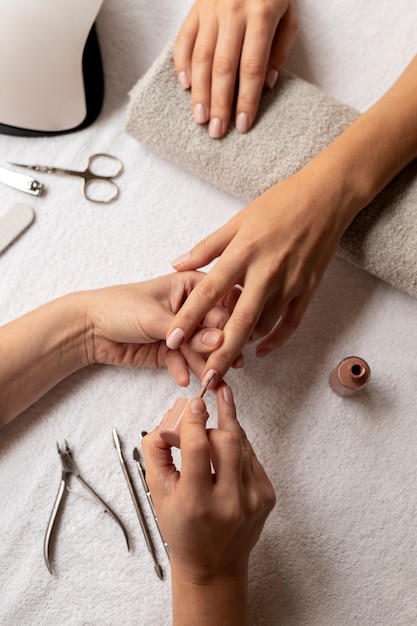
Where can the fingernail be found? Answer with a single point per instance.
(197, 406)
(215, 128)
(175, 338)
(271, 78)
(183, 80)
(181, 259)
(242, 123)
(227, 395)
(199, 114)
(211, 337)
(212, 376)
(263, 352)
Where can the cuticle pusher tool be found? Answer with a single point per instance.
(136, 502)
(142, 474)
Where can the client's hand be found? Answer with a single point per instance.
(127, 325)
(277, 249)
(210, 520)
(122, 325)
(222, 44)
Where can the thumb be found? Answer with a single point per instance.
(207, 249)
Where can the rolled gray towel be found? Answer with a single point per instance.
(295, 121)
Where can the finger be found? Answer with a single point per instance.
(254, 470)
(224, 73)
(238, 329)
(226, 441)
(177, 366)
(203, 297)
(195, 449)
(255, 55)
(274, 307)
(208, 248)
(281, 45)
(183, 50)
(201, 68)
(206, 340)
(160, 468)
(195, 362)
(216, 317)
(288, 323)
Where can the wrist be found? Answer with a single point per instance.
(38, 350)
(211, 599)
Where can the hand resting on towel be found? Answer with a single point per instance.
(222, 45)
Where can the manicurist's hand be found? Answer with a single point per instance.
(211, 521)
(224, 43)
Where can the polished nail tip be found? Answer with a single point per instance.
(210, 337)
(199, 114)
(271, 78)
(181, 259)
(197, 406)
(183, 80)
(175, 339)
(215, 128)
(210, 379)
(242, 123)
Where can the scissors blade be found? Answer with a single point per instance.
(21, 182)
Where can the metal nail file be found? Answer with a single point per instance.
(136, 502)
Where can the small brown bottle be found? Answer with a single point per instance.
(349, 376)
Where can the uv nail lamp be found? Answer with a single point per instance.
(51, 76)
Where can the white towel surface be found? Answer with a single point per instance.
(340, 546)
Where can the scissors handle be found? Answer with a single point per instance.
(104, 156)
(92, 177)
(100, 180)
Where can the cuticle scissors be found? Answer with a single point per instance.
(68, 468)
(88, 175)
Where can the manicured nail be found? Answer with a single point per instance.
(199, 114)
(211, 337)
(212, 376)
(197, 406)
(175, 338)
(271, 78)
(263, 352)
(227, 395)
(215, 128)
(181, 259)
(242, 123)
(183, 80)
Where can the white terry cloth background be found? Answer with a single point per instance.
(340, 546)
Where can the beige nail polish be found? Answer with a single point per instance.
(242, 122)
(349, 376)
(271, 78)
(181, 259)
(215, 128)
(199, 114)
(175, 339)
(183, 80)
